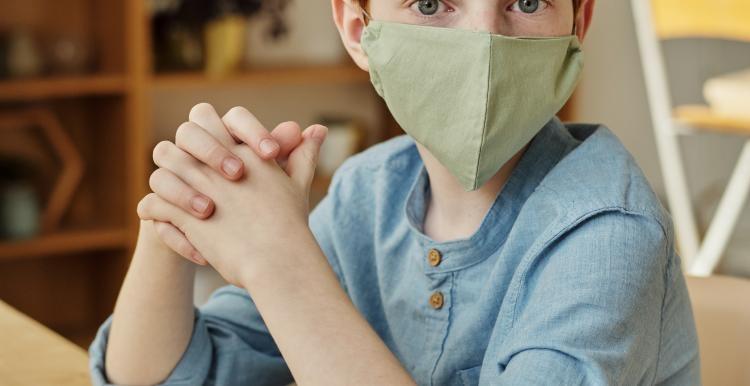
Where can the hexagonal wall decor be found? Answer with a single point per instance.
(71, 162)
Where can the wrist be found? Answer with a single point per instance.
(283, 260)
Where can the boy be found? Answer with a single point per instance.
(490, 245)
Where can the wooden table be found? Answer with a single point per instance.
(31, 354)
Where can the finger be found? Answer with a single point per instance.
(304, 159)
(176, 241)
(175, 191)
(199, 143)
(246, 127)
(204, 115)
(153, 207)
(193, 172)
(289, 136)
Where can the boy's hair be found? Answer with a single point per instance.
(363, 4)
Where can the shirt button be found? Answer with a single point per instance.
(434, 257)
(436, 300)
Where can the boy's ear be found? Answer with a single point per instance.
(348, 19)
(583, 18)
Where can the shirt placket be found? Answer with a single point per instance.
(438, 303)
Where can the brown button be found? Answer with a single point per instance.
(434, 257)
(436, 300)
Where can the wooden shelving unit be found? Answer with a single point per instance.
(67, 278)
(65, 242)
(333, 74)
(61, 87)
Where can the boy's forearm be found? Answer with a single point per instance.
(153, 317)
(322, 336)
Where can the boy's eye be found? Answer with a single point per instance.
(428, 7)
(527, 6)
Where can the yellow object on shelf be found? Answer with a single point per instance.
(721, 19)
(225, 44)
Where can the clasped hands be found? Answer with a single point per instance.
(230, 193)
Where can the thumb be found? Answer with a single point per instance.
(303, 159)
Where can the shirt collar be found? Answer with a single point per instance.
(549, 146)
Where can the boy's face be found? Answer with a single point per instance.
(505, 17)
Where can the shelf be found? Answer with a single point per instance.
(61, 87)
(64, 242)
(343, 73)
(702, 118)
(81, 336)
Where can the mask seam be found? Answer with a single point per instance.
(486, 113)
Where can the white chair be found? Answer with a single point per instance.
(657, 20)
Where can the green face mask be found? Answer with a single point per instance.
(473, 99)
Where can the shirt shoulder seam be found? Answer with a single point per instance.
(518, 288)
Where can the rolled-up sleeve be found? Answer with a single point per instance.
(230, 345)
(588, 309)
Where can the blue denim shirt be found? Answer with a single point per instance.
(571, 278)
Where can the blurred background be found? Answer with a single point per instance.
(88, 87)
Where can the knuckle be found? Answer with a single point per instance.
(201, 110)
(161, 151)
(183, 133)
(237, 110)
(155, 178)
(151, 199)
(144, 206)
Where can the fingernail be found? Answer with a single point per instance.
(231, 166)
(200, 204)
(268, 146)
